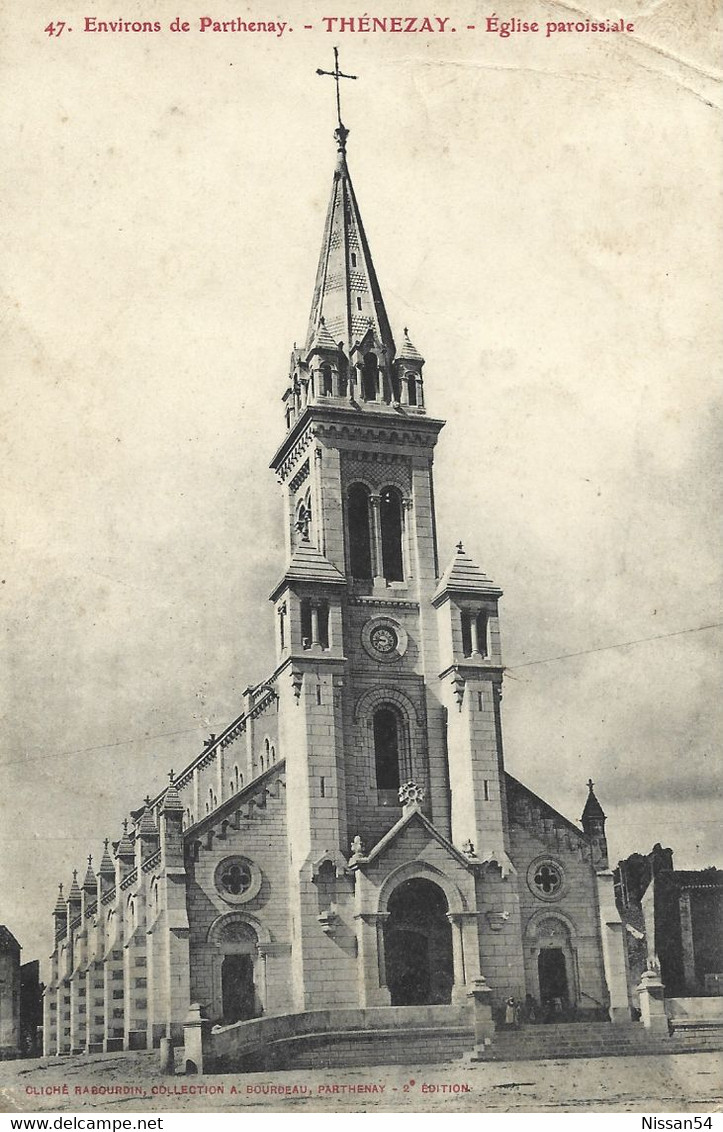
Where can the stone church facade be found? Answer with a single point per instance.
(352, 838)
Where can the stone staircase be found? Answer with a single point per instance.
(414, 1036)
(593, 1039)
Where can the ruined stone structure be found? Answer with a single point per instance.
(9, 994)
(673, 919)
(351, 839)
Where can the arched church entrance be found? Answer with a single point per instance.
(552, 971)
(238, 965)
(553, 950)
(238, 990)
(418, 945)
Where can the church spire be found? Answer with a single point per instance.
(347, 297)
(348, 359)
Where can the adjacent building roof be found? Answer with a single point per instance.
(8, 941)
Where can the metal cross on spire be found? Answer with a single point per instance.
(336, 75)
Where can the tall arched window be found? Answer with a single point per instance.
(411, 380)
(326, 384)
(370, 377)
(391, 524)
(360, 550)
(343, 375)
(396, 388)
(386, 748)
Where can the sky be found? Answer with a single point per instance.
(542, 216)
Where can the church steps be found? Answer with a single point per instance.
(391, 1044)
(602, 1039)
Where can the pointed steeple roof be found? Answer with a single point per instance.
(107, 867)
(322, 338)
(593, 809)
(409, 352)
(171, 801)
(308, 564)
(463, 576)
(74, 894)
(60, 903)
(124, 848)
(347, 293)
(89, 884)
(147, 826)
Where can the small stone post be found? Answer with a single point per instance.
(196, 1034)
(484, 1027)
(166, 1053)
(652, 1003)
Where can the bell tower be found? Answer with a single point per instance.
(357, 642)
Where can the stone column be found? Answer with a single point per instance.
(686, 943)
(652, 1003)
(318, 514)
(196, 1040)
(474, 637)
(375, 503)
(407, 540)
(459, 985)
(372, 991)
(484, 1027)
(613, 948)
(403, 388)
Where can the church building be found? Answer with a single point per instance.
(352, 839)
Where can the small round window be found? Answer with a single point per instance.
(237, 879)
(546, 879)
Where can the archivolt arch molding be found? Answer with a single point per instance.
(421, 870)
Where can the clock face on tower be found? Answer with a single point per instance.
(383, 639)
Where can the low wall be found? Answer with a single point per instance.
(688, 1013)
(339, 1037)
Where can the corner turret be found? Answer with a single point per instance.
(593, 823)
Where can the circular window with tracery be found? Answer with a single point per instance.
(546, 879)
(237, 879)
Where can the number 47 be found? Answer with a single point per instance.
(55, 29)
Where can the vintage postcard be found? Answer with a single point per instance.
(360, 585)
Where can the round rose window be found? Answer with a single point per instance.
(237, 879)
(546, 878)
